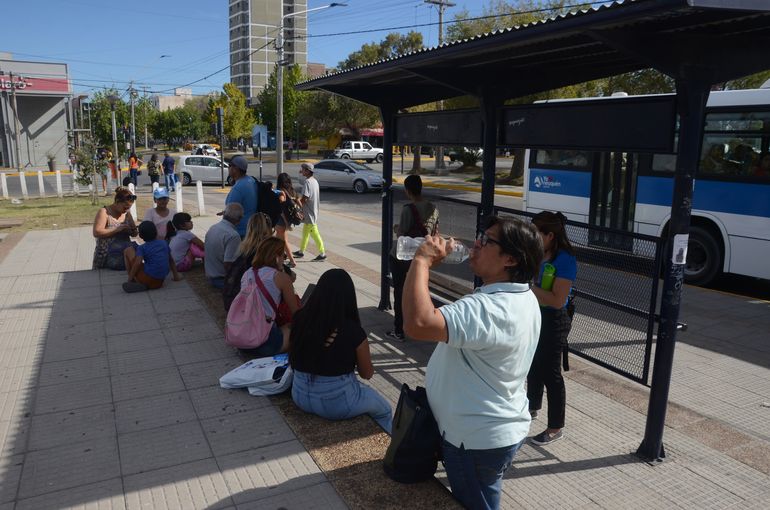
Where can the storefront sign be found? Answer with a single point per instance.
(25, 84)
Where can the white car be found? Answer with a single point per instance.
(204, 149)
(201, 168)
(359, 150)
(347, 174)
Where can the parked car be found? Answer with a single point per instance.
(346, 174)
(201, 168)
(359, 150)
(456, 153)
(204, 149)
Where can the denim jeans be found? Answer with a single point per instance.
(134, 173)
(339, 398)
(218, 282)
(476, 476)
(169, 181)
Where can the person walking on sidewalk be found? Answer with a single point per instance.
(288, 199)
(557, 322)
(310, 201)
(244, 192)
(418, 219)
(134, 164)
(486, 341)
(153, 169)
(168, 171)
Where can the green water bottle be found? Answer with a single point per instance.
(549, 273)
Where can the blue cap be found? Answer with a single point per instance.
(240, 162)
(160, 193)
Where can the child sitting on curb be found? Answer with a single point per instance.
(185, 246)
(148, 264)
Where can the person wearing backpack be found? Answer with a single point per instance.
(272, 286)
(244, 192)
(418, 218)
(291, 213)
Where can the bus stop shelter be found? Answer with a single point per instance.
(699, 43)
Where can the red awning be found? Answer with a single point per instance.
(372, 132)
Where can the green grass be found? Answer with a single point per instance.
(54, 213)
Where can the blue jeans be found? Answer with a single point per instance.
(476, 476)
(169, 181)
(339, 398)
(134, 173)
(271, 347)
(218, 282)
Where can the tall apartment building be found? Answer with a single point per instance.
(253, 30)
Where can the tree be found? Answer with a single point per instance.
(144, 114)
(292, 99)
(101, 118)
(394, 44)
(238, 118)
(184, 123)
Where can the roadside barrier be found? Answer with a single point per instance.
(201, 207)
(179, 207)
(40, 184)
(4, 182)
(59, 189)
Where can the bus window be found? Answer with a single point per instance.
(664, 163)
(569, 158)
(728, 155)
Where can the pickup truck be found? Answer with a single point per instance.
(359, 150)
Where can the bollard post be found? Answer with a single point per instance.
(179, 198)
(132, 189)
(40, 183)
(4, 181)
(201, 207)
(59, 189)
(23, 182)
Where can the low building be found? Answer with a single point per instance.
(39, 92)
(180, 97)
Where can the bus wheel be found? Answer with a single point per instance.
(704, 258)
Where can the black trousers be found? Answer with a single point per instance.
(545, 372)
(398, 268)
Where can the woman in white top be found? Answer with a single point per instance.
(161, 214)
(268, 263)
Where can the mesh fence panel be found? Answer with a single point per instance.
(614, 291)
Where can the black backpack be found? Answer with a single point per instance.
(415, 441)
(268, 201)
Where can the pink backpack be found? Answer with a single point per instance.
(247, 325)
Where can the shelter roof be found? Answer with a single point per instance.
(726, 38)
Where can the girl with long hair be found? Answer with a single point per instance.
(286, 197)
(268, 263)
(327, 345)
(258, 229)
(553, 296)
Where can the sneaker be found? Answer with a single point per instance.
(320, 258)
(298, 254)
(397, 336)
(533, 413)
(545, 438)
(131, 287)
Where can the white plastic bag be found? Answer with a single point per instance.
(274, 387)
(254, 372)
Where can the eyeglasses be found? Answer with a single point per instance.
(484, 239)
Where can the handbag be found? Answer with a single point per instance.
(293, 212)
(282, 311)
(415, 441)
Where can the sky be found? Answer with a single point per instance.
(163, 44)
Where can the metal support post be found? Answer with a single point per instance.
(17, 138)
(115, 147)
(389, 126)
(279, 103)
(692, 94)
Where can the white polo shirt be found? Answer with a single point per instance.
(475, 381)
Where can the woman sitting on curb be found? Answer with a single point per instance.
(327, 345)
(113, 228)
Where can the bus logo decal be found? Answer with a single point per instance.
(546, 181)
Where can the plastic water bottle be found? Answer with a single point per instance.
(407, 246)
(549, 273)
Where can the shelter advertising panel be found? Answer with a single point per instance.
(643, 124)
(461, 127)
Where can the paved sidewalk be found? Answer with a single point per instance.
(110, 400)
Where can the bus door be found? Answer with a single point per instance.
(613, 197)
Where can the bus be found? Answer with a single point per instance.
(730, 225)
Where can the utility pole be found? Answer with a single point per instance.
(132, 95)
(17, 129)
(144, 108)
(442, 5)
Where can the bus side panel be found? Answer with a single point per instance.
(751, 257)
(567, 191)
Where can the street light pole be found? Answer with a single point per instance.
(112, 100)
(132, 95)
(279, 79)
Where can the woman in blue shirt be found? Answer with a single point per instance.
(556, 324)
